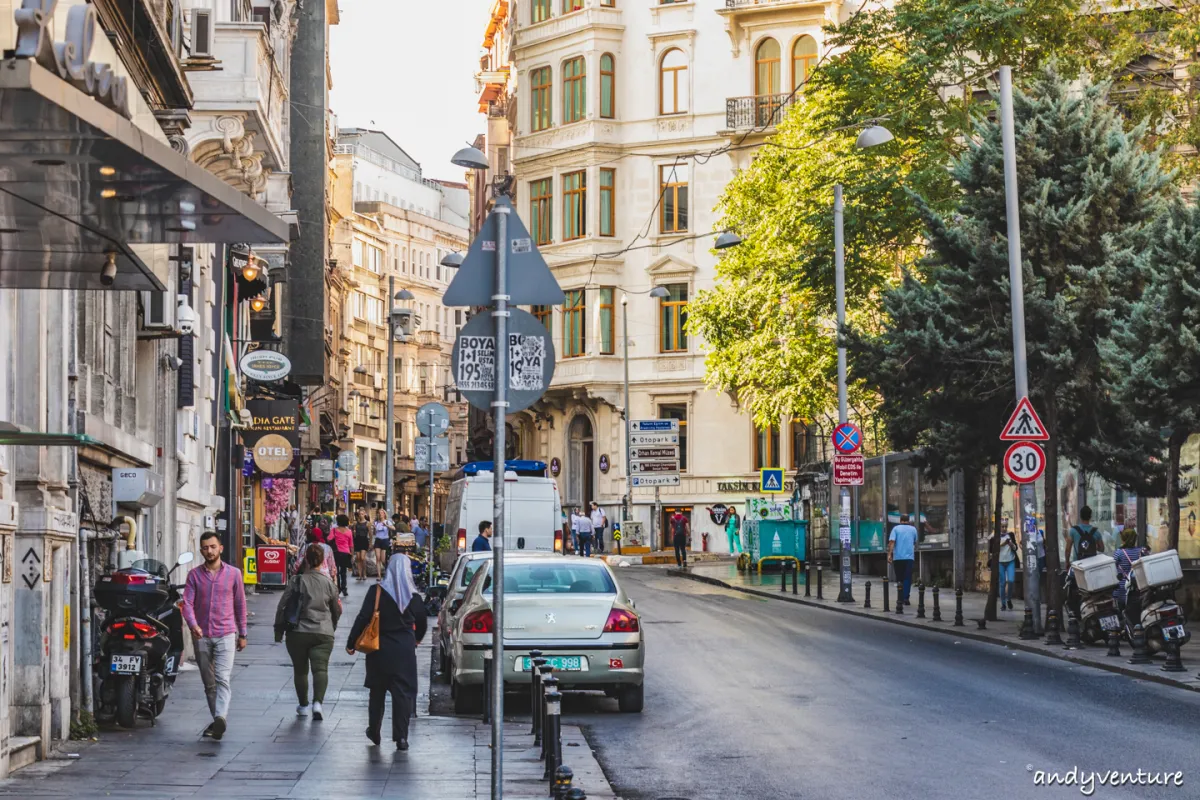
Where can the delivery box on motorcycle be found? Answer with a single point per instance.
(1095, 574)
(1158, 569)
(131, 591)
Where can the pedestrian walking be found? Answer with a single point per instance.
(307, 616)
(420, 532)
(681, 536)
(1128, 553)
(599, 523)
(733, 529)
(392, 669)
(1084, 540)
(384, 528)
(583, 524)
(363, 533)
(902, 549)
(214, 609)
(575, 530)
(483, 542)
(1009, 561)
(341, 539)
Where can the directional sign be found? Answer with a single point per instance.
(656, 480)
(847, 438)
(654, 426)
(653, 438)
(771, 481)
(848, 470)
(441, 457)
(1024, 425)
(530, 355)
(1024, 462)
(637, 467)
(668, 453)
(433, 419)
(529, 280)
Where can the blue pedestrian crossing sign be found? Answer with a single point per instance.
(771, 481)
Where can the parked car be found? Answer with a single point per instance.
(465, 568)
(572, 609)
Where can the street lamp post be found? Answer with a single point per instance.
(389, 468)
(657, 292)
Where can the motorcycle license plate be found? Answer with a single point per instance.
(1174, 632)
(126, 665)
(1110, 623)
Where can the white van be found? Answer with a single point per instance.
(532, 507)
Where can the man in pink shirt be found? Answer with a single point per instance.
(214, 608)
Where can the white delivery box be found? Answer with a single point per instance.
(1095, 574)
(1158, 569)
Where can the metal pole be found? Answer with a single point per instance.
(628, 475)
(499, 413)
(846, 589)
(390, 467)
(1016, 280)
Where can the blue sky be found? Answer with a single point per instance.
(410, 65)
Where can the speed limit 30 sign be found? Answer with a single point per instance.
(1024, 462)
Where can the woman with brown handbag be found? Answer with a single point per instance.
(390, 625)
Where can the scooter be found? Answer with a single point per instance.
(435, 595)
(1155, 608)
(140, 645)
(1096, 609)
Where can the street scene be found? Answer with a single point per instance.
(646, 400)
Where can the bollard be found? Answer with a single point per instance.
(820, 584)
(982, 623)
(887, 598)
(1027, 631)
(1073, 642)
(487, 683)
(795, 578)
(1052, 637)
(1138, 639)
(538, 692)
(576, 794)
(1114, 644)
(535, 675)
(563, 776)
(1174, 661)
(549, 684)
(958, 615)
(937, 607)
(867, 601)
(808, 580)
(899, 597)
(921, 600)
(553, 733)
(783, 569)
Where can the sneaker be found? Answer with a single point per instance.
(218, 728)
(208, 731)
(317, 715)
(302, 711)
(1010, 605)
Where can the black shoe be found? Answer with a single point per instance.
(218, 728)
(208, 731)
(402, 744)
(1010, 605)
(373, 736)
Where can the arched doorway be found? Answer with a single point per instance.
(580, 462)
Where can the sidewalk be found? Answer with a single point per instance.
(270, 753)
(1003, 632)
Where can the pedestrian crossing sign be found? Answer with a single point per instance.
(1024, 425)
(771, 481)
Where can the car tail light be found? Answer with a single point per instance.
(478, 621)
(130, 578)
(462, 539)
(622, 621)
(558, 542)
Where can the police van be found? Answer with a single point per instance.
(532, 507)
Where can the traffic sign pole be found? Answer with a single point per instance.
(499, 413)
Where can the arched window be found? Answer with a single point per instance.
(767, 68)
(574, 90)
(804, 59)
(673, 83)
(608, 85)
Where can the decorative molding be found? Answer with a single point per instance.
(672, 266)
(672, 364)
(224, 147)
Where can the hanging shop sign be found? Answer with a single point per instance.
(265, 366)
(273, 454)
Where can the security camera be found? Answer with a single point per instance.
(244, 416)
(171, 362)
(185, 317)
(403, 321)
(108, 273)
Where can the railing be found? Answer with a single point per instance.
(757, 111)
(429, 338)
(744, 3)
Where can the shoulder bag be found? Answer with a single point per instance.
(368, 640)
(291, 611)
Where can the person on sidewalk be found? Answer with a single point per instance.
(341, 539)
(363, 533)
(1128, 553)
(1007, 555)
(310, 639)
(483, 542)
(1084, 540)
(214, 609)
(681, 536)
(586, 539)
(733, 529)
(575, 531)
(420, 532)
(392, 669)
(384, 529)
(599, 523)
(902, 550)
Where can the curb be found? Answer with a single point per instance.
(961, 633)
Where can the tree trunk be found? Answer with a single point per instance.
(1053, 599)
(1178, 437)
(989, 612)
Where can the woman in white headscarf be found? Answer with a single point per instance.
(392, 669)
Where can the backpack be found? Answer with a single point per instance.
(1088, 544)
(679, 525)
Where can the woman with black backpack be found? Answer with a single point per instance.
(308, 615)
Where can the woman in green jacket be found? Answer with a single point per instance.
(308, 614)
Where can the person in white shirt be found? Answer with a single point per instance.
(584, 525)
(599, 523)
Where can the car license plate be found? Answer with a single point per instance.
(1110, 623)
(127, 665)
(560, 663)
(1174, 632)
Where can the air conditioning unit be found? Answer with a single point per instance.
(202, 33)
(158, 314)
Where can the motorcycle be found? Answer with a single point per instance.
(140, 641)
(1150, 601)
(435, 595)
(1095, 608)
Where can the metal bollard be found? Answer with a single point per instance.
(899, 597)
(563, 776)
(1138, 639)
(958, 614)
(1052, 637)
(867, 601)
(535, 675)
(1114, 644)
(937, 606)
(1073, 642)
(1027, 630)
(553, 733)
(783, 568)
(808, 580)
(795, 577)
(487, 684)
(1174, 661)
(820, 584)
(538, 693)
(887, 598)
(921, 600)
(576, 794)
(549, 684)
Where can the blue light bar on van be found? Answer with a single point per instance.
(523, 467)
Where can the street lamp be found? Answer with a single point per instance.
(453, 259)
(470, 158)
(727, 239)
(389, 468)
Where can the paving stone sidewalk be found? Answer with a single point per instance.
(270, 753)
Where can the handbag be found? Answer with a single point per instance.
(368, 640)
(291, 612)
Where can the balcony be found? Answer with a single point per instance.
(757, 111)
(429, 339)
(744, 17)
(600, 19)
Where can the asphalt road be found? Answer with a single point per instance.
(752, 698)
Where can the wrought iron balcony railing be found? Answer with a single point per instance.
(757, 111)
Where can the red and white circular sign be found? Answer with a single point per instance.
(1024, 462)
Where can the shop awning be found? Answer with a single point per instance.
(80, 184)
(13, 434)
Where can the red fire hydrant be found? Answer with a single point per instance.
(704, 541)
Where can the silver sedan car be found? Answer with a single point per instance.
(460, 579)
(571, 609)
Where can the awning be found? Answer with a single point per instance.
(11, 434)
(79, 184)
